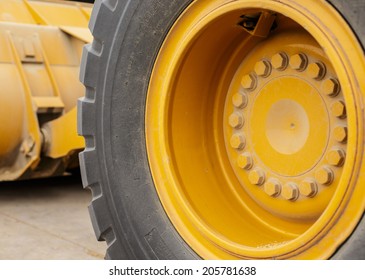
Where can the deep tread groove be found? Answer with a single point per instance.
(95, 191)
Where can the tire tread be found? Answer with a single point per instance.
(89, 165)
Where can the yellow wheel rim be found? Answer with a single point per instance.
(254, 129)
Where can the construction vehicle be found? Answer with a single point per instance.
(40, 53)
(222, 129)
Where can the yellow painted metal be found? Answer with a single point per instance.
(56, 13)
(60, 136)
(249, 152)
(78, 32)
(40, 50)
(10, 130)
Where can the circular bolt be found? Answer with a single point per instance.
(331, 87)
(339, 109)
(249, 82)
(316, 70)
(272, 187)
(298, 61)
(308, 188)
(290, 191)
(238, 141)
(280, 61)
(336, 157)
(236, 120)
(263, 68)
(245, 161)
(324, 176)
(257, 177)
(239, 100)
(340, 134)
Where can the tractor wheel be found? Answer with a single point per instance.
(226, 129)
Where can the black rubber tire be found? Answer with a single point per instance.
(125, 210)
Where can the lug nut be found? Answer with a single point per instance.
(236, 120)
(324, 176)
(331, 87)
(263, 68)
(340, 134)
(245, 161)
(336, 157)
(238, 141)
(290, 191)
(298, 61)
(249, 82)
(272, 187)
(308, 188)
(257, 177)
(239, 100)
(339, 109)
(316, 70)
(280, 61)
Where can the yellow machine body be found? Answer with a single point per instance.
(40, 51)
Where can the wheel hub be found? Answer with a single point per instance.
(283, 117)
(247, 129)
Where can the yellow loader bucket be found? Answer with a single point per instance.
(40, 51)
